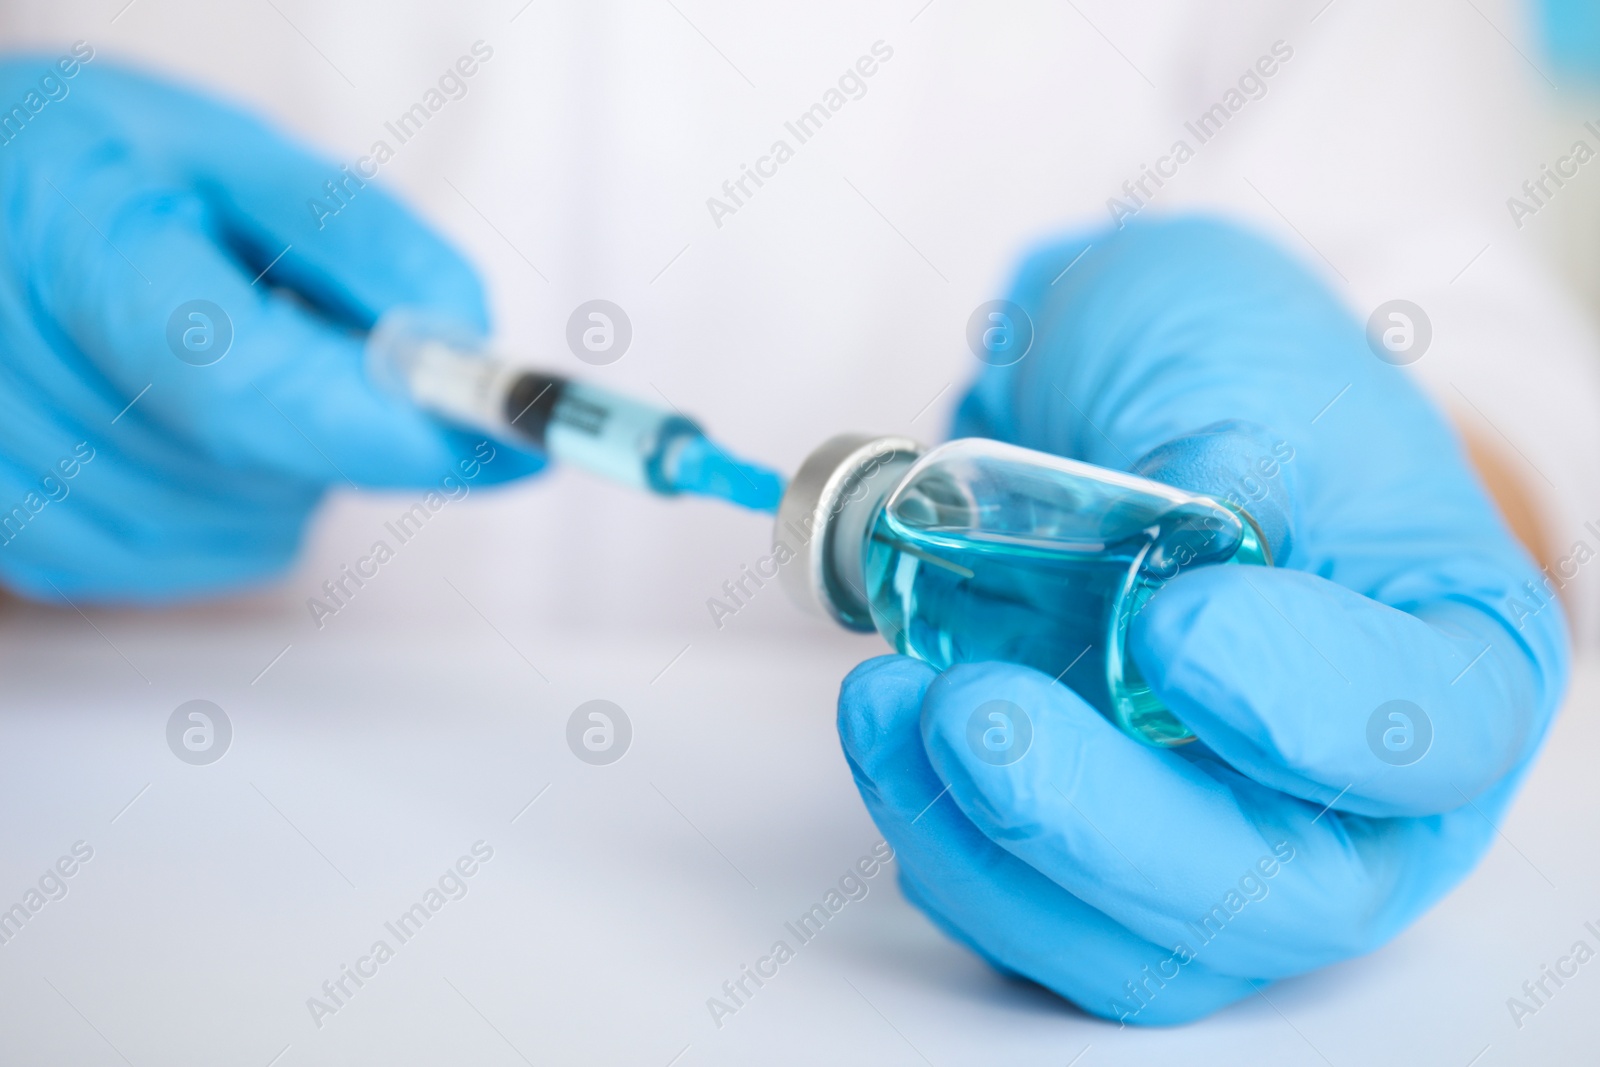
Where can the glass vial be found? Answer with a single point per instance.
(979, 550)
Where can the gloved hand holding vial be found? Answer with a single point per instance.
(1300, 824)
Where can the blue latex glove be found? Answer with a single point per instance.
(1159, 885)
(1572, 39)
(125, 198)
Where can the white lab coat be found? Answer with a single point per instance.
(835, 295)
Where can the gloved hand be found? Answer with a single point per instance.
(1314, 819)
(132, 466)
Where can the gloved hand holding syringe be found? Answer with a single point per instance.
(619, 438)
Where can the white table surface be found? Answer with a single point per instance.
(364, 762)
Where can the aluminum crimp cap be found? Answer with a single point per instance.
(823, 521)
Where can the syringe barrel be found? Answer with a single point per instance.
(572, 422)
(607, 434)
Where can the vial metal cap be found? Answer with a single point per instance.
(823, 521)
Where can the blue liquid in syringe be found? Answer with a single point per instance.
(633, 443)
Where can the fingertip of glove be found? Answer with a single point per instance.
(967, 686)
(1182, 634)
(880, 698)
(1238, 653)
(1001, 735)
(873, 679)
(1241, 463)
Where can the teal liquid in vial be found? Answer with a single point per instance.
(984, 551)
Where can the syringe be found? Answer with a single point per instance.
(572, 422)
